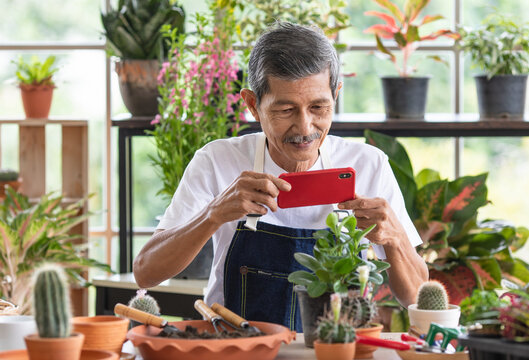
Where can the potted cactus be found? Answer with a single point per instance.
(433, 306)
(145, 303)
(51, 307)
(335, 333)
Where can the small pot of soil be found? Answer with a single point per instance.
(310, 309)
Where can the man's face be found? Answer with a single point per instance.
(296, 117)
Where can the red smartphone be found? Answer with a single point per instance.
(317, 187)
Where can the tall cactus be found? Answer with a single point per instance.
(51, 302)
(432, 296)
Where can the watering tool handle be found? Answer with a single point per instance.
(206, 311)
(390, 344)
(230, 316)
(140, 316)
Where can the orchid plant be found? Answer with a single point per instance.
(403, 27)
(199, 99)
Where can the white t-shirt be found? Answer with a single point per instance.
(219, 163)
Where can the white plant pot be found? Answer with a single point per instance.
(422, 318)
(13, 328)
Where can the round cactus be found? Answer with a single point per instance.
(144, 302)
(8, 175)
(360, 310)
(51, 302)
(329, 332)
(432, 296)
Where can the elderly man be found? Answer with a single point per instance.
(293, 75)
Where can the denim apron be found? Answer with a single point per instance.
(259, 261)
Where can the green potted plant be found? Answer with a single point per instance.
(8, 177)
(480, 312)
(334, 267)
(256, 16)
(35, 79)
(461, 252)
(51, 306)
(36, 233)
(335, 333)
(432, 306)
(500, 48)
(133, 36)
(404, 95)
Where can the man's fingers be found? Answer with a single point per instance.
(279, 183)
(362, 203)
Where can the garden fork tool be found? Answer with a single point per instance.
(234, 319)
(146, 318)
(215, 319)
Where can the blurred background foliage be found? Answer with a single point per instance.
(81, 95)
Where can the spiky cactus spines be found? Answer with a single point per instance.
(8, 175)
(432, 296)
(144, 302)
(335, 326)
(361, 310)
(51, 302)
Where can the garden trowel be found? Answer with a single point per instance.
(146, 318)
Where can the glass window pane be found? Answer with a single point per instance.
(431, 153)
(363, 93)
(51, 20)
(506, 159)
(474, 11)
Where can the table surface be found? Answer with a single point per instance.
(297, 350)
(178, 286)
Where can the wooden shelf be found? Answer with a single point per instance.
(74, 160)
(353, 125)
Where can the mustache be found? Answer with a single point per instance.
(298, 139)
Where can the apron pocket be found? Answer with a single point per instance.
(264, 296)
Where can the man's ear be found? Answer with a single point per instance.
(251, 101)
(338, 88)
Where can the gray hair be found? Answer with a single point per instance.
(291, 52)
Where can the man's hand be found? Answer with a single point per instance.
(250, 193)
(376, 211)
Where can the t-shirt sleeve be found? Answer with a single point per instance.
(195, 191)
(389, 190)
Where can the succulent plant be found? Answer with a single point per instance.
(133, 28)
(361, 310)
(335, 326)
(51, 302)
(144, 302)
(8, 175)
(432, 296)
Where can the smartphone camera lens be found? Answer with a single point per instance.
(345, 175)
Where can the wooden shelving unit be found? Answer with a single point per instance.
(74, 160)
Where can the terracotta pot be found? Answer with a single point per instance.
(14, 184)
(102, 332)
(138, 85)
(36, 100)
(85, 355)
(366, 351)
(54, 348)
(338, 351)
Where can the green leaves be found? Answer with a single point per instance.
(35, 72)
(336, 259)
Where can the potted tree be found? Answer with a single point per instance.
(335, 333)
(36, 233)
(500, 47)
(51, 307)
(404, 95)
(133, 36)
(10, 178)
(335, 267)
(35, 79)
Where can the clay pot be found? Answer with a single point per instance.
(138, 85)
(344, 351)
(85, 355)
(36, 100)
(68, 348)
(15, 184)
(366, 351)
(102, 332)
